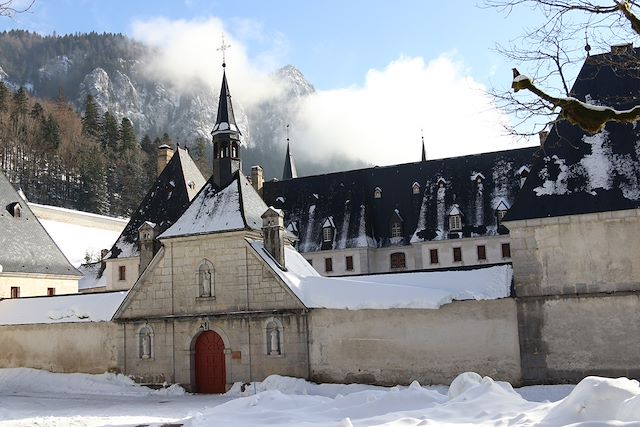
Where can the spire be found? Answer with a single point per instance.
(424, 151)
(289, 171)
(225, 133)
(225, 121)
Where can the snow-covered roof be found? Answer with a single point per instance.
(455, 210)
(165, 201)
(234, 207)
(92, 276)
(426, 290)
(25, 246)
(96, 307)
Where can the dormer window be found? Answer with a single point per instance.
(377, 193)
(415, 188)
(327, 234)
(15, 209)
(478, 178)
(501, 211)
(523, 173)
(455, 222)
(441, 183)
(395, 225)
(396, 229)
(455, 219)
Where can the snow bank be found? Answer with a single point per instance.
(25, 380)
(97, 307)
(427, 290)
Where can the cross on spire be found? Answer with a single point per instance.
(287, 132)
(223, 47)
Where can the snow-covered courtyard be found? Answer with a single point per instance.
(38, 398)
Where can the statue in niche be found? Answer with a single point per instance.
(274, 341)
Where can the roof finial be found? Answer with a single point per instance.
(223, 47)
(287, 132)
(587, 46)
(424, 151)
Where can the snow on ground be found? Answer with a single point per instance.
(30, 397)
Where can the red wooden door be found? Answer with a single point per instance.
(210, 369)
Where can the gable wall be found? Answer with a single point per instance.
(241, 281)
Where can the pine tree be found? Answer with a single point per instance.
(127, 135)
(109, 131)
(92, 175)
(5, 95)
(90, 120)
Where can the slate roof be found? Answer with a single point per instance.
(164, 203)
(577, 173)
(25, 246)
(361, 220)
(236, 206)
(225, 120)
(289, 170)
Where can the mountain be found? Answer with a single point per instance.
(112, 68)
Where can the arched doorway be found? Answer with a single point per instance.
(209, 363)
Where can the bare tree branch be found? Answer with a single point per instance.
(8, 7)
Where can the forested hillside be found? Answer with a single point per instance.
(93, 163)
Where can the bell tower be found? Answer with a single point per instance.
(225, 133)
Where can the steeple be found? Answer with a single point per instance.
(424, 151)
(289, 171)
(225, 133)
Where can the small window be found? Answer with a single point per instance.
(15, 209)
(122, 272)
(15, 292)
(51, 291)
(206, 279)
(523, 176)
(455, 223)
(482, 253)
(349, 262)
(457, 254)
(398, 260)
(501, 214)
(328, 265)
(145, 342)
(377, 193)
(415, 188)
(433, 256)
(327, 234)
(396, 229)
(506, 250)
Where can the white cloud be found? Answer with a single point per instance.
(380, 122)
(188, 52)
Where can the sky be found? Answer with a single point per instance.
(383, 70)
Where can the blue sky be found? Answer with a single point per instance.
(333, 42)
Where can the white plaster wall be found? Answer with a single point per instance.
(378, 260)
(61, 347)
(398, 346)
(36, 284)
(111, 273)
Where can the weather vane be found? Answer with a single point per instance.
(224, 48)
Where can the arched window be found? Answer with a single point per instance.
(145, 342)
(377, 193)
(415, 188)
(206, 279)
(398, 260)
(273, 337)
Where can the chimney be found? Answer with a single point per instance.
(543, 134)
(273, 234)
(164, 155)
(148, 244)
(257, 179)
